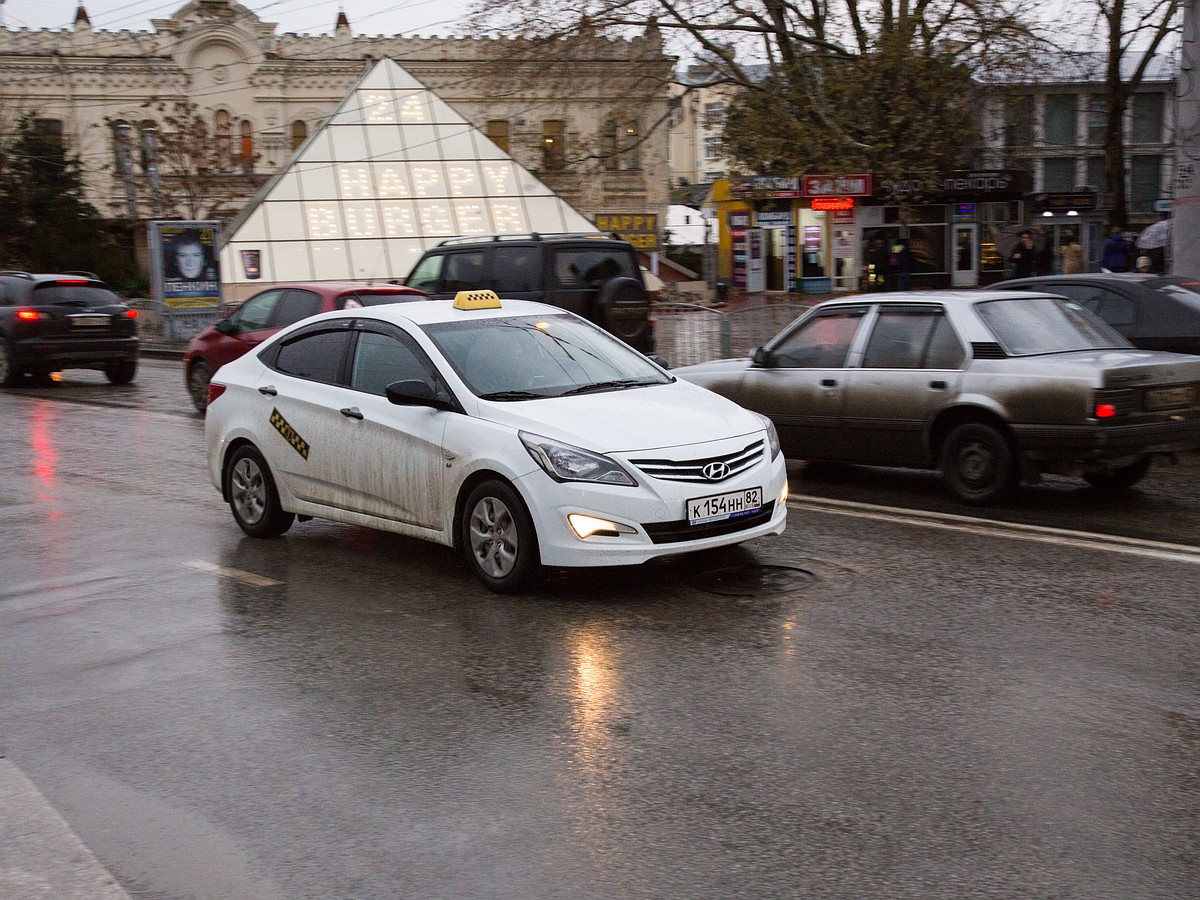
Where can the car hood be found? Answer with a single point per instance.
(703, 373)
(636, 419)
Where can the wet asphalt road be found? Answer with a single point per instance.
(874, 704)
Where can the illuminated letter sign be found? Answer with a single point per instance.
(832, 203)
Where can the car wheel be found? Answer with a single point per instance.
(1120, 478)
(978, 464)
(252, 495)
(121, 372)
(499, 538)
(10, 376)
(198, 377)
(623, 309)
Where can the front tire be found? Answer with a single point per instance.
(253, 498)
(499, 538)
(1120, 478)
(978, 464)
(198, 377)
(121, 372)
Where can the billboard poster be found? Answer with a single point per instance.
(185, 265)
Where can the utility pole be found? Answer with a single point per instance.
(1185, 233)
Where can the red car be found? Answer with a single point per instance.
(267, 312)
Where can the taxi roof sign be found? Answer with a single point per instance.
(476, 300)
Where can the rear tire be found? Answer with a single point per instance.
(499, 539)
(253, 498)
(198, 377)
(1120, 478)
(978, 464)
(121, 372)
(10, 376)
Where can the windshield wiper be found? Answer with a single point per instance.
(617, 384)
(511, 395)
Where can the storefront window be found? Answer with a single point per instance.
(928, 244)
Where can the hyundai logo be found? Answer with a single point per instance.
(716, 471)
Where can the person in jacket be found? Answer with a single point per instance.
(1024, 256)
(1115, 257)
(905, 265)
(1070, 256)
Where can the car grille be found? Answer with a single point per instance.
(675, 532)
(694, 469)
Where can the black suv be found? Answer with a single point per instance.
(596, 277)
(67, 321)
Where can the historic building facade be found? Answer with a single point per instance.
(588, 117)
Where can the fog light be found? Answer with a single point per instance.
(587, 526)
(783, 492)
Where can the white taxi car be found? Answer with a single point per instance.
(519, 433)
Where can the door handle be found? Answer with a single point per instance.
(352, 412)
(938, 385)
(828, 382)
(269, 390)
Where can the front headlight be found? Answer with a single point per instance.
(772, 434)
(563, 462)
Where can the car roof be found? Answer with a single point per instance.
(918, 298)
(343, 287)
(436, 311)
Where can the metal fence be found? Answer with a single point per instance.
(686, 333)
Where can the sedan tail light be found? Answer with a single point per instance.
(130, 313)
(1113, 403)
(215, 390)
(30, 315)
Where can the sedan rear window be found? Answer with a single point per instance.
(1026, 326)
(53, 293)
(376, 298)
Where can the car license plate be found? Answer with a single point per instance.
(724, 506)
(88, 321)
(1171, 397)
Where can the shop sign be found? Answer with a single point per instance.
(639, 229)
(971, 183)
(843, 247)
(837, 185)
(738, 219)
(1079, 201)
(843, 217)
(781, 186)
(775, 218)
(829, 204)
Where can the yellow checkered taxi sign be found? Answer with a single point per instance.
(476, 300)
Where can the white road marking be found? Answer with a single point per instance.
(1012, 530)
(235, 574)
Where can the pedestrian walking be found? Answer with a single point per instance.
(905, 265)
(1024, 256)
(1070, 256)
(1115, 257)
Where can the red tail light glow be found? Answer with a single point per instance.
(131, 313)
(1105, 410)
(28, 315)
(214, 391)
(71, 281)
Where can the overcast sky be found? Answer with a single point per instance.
(423, 17)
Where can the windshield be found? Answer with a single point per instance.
(531, 357)
(1026, 326)
(53, 293)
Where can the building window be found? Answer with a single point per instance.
(609, 142)
(1018, 121)
(713, 148)
(1147, 118)
(122, 148)
(676, 117)
(299, 133)
(1145, 183)
(222, 130)
(554, 145)
(497, 132)
(630, 137)
(1097, 119)
(714, 115)
(246, 147)
(1058, 175)
(1095, 178)
(1060, 119)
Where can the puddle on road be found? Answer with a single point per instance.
(753, 580)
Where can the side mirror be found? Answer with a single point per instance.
(762, 357)
(413, 392)
(226, 326)
(660, 361)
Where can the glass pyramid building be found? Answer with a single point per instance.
(394, 170)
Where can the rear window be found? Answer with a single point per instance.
(587, 267)
(376, 298)
(53, 293)
(1026, 326)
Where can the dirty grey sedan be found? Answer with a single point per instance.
(991, 387)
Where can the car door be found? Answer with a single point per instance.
(801, 383)
(304, 393)
(392, 457)
(911, 367)
(244, 329)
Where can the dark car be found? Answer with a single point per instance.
(263, 314)
(1156, 312)
(594, 276)
(50, 322)
(991, 387)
